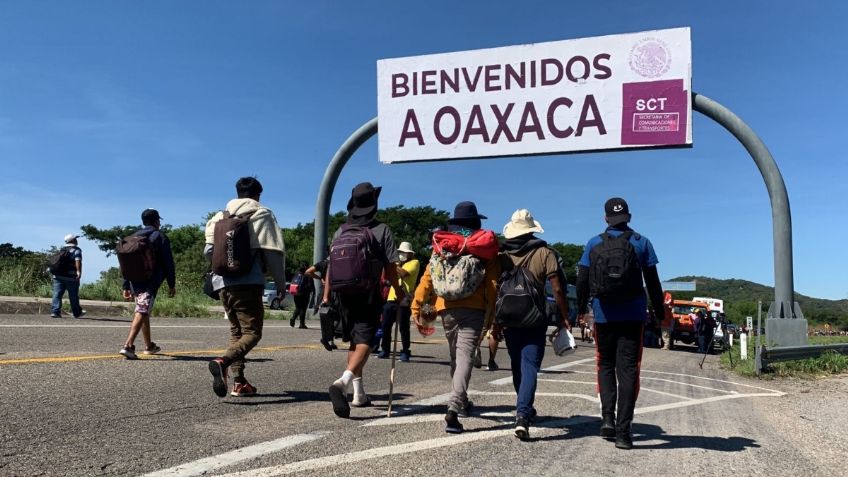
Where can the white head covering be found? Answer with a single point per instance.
(522, 222)
(406, 247)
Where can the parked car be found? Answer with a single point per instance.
(269, 298)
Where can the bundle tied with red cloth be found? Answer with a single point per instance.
(481, 243)
(456, 267)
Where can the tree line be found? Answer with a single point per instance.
(408, 224)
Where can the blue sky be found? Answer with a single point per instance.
(107, 108)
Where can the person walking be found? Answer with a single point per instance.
(522, 252)
(407, 269)
(301, 297)
(144, 292)
(361, 250)
(464, 301)
(67, 272)
(248, 229)
(611, 271)
(328, 314)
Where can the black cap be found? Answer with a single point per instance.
(617, 211)
(363, 199)
(149, 216)
(464, 211)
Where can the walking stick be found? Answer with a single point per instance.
(394, 356)
(709, 348)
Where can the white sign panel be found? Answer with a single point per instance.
(589, 94)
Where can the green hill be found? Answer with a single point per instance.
(740, 300)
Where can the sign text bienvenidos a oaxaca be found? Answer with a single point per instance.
(589, 94)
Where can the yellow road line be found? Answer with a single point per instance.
(210, 352)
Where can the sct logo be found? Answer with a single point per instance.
(652, 104)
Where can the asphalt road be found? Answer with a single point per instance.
(71, 406)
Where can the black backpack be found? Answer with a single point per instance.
(136, 258)
(231, 252)
(615, 274)
(60, 262)
(519, 303)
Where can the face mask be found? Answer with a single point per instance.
(403, 257)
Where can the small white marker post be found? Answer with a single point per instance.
(743, 346)
(730, 338)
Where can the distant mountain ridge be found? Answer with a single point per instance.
(741, 297)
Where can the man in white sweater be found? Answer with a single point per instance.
(241, 294)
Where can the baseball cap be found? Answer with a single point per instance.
(617, 211)
(149, 215)
(70, 238)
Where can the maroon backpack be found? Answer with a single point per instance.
(136, 258)
(231, 252)
(354, 266)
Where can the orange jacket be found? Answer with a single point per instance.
(482, 299)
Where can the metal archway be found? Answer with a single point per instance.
(784, 326)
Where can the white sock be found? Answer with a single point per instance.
(347, 376)
(359, 390)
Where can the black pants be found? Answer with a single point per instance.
(389, 314)
(619, 356)
(301, 303)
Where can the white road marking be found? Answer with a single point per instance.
(496, 393)
(689, 385)
(202, 466)
(700, 377)
(545, 427)
(694, 402)
(376, 453)
(663, 393)
(572, 381)
(558, 367)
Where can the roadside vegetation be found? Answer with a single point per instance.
(828, 364)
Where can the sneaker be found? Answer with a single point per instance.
(522, 427)
(326, 344)
(303, 327)
(608, 426)
(493, 366)
(243, 389)
(82, 313)
(623, 440)
(339, 398)
(292, 322)
(55, 315)
(361, 402)
(384, 355)
(333, 345)
(478, 361)
(466, 411)
(128, 352)
(219, 376)
(404, 356)
(153, 349)
(452, 425)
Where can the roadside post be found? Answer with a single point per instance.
(743, 346)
